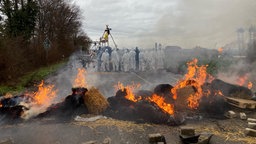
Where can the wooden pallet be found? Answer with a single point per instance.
(241, 103)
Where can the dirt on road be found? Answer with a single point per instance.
(50, 131)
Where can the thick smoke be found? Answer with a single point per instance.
(204, 23)
(240, 72)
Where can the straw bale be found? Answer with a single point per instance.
(95, 102)
(120, 124)
(183, 95)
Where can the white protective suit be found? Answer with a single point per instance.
(115, 60)
(152, 57)
(125, 61)
(142, 61)
(160, 59)
(105, 60)
(132, 60)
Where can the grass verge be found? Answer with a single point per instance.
(30, 79)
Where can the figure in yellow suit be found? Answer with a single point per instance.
(105, 35)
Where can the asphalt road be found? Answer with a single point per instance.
(47, 131)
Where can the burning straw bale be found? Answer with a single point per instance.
(182, 97)
(163, 89)
(231, 90)
(95, 101)
(142, 111)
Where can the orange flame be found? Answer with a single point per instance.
(249, 86)
(80, 80)
(45, 94)
(219, 93)
(207, 93)
(242, 80)
(129, 91)
(220, 50)
(196, 77)
(159, 101)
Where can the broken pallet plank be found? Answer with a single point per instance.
(241, 103)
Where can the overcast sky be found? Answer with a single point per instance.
(186, 23)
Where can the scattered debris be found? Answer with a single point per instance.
(155, 138)
(89, 119)
(196, 117)
(90, 142)
(241, 103)
(252, 125)
(107, 141)
(230, 114)
(250, 132)
(251, 120)
(7, 141)
(243, 116)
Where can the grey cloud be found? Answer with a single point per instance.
(179, 22)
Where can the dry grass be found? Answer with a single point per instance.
(237, 136)
(95, 101)
(120, 124)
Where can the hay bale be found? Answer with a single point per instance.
(95, 101)
(182, 96)
(185, 92)
(231, 90)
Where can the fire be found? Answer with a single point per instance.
(193, 100)
(80, 80)
(242, 80)
(249, 86)
(45, 94)
(219, 93)
(220, 50)
(196, 77)
(207, 93)
(129, 90)
(159, 101)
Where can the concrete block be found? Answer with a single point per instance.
(250, 132)
(155, 138)
(187, 131)
(252, 125)
(243, 116)
(230, 114)
(251, 120)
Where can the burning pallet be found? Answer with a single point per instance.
(241, 103)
